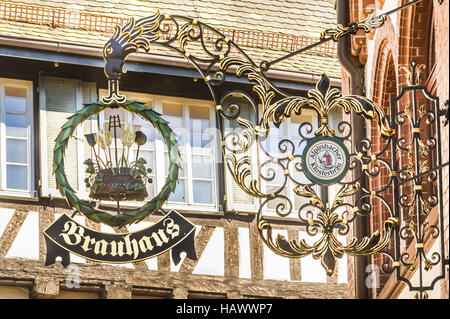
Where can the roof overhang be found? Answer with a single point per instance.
(55, 51)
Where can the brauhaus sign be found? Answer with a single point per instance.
(173, 231)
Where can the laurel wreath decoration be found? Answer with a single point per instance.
(124, 217)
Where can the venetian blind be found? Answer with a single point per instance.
(61, 98)
(237, 199)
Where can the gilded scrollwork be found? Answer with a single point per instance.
(243, 175)
(328, 248)
(368, 24)
(215, 59)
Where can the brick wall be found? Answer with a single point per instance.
(421, 33)
(441, 29)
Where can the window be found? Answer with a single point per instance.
(262, 166)
(277, 145)
(237, 199)
(59, 98)
(193, 122)
(16, 138)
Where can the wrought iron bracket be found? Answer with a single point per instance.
(331, 219)
(445, 112)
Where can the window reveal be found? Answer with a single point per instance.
(16, 137)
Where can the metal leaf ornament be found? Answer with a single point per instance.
(323, 99)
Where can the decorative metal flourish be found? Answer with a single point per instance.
(191, 38)
(367, 25)
(328, 247)
(323, 100)
(418, 186)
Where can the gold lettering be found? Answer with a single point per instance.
(163, 236)
(74, 233)
(145, 244)
(172, 228)
(131, 246)
(157, 240)
(100, 247)
(87, 241)
(117, 248)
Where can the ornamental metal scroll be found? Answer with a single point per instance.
(327, 157)
(418, 186)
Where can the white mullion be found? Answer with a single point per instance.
(188, 184)
(213, 157)
(79, 134)
(17, 164)
(2, 138)
(159, 164)
(16, 138)
(203, 179)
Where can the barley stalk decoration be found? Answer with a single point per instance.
(125, 217)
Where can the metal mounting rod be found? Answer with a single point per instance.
(266, 65)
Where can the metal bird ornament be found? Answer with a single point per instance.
(127, 39)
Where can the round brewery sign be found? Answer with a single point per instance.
(325, 160)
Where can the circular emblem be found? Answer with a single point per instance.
(325, 160)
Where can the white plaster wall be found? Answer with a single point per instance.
(312, 269)
(26, 243)
(212, 260)
(342, 264)
(5, 217)
(274, 266)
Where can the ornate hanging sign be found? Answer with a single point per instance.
(112, 175)
(329, 157)
(117, 178)
(171, 232)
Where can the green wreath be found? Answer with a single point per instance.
(126, 217)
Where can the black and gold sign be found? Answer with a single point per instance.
(325, 161)
(173, 231)
(112, 174)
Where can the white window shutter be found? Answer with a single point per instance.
(59, 99)
(237, 199)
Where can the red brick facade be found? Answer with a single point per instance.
(419, 32)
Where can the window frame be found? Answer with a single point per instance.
(314, 121)
(28, 86)
(157, 102)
